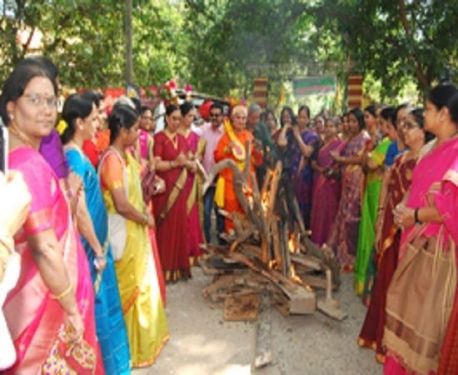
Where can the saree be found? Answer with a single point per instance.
(414, 336)
(300, 171)
(386, 257)
(144, 314)
(230, 202)
(111, 329)
(192, 186)
(366, 233)
(37, 322)
(170, 211)
(144, 144)
(51, 149)
(144, 154)
(344, 234)
(326, 194)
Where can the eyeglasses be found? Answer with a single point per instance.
(38, 100)
(410, 125)
(216, 114)
(148, 118)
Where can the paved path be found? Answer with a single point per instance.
(202, 343)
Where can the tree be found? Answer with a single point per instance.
(86, 39)
(235, 41)
(396, 41)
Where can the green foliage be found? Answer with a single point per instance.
(236, 41)
(86, 39)
(220, 46)
(394, 41)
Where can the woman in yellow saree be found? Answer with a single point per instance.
(144, 314)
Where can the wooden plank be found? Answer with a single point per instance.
(276, 241)
(241, 307)
(263, 352)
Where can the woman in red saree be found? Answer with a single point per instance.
(387, 244)
(196, 147)
(50, 312)
(326, 189)
(422, 291)
(173, 166)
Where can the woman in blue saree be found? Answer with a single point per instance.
(79, 123)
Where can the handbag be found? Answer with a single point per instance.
(419, 301)
(148, 185)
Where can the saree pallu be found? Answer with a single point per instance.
(195, 236)
(326, 195)
(111, 329)
(37, 322)
(144, 154)
(301, 171)
(366, 234)
(386, 257)
(428, 273)
(418, 309)
(171, 232)
(142, 306)
(230, 202)
(344, 235)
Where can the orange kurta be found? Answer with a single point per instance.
(222, 151)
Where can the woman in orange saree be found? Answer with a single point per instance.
(232, 146)
(50, 312)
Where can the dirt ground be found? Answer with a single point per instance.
(202, 343)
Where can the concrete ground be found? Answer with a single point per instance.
(202, 343)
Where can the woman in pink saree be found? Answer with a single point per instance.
(50, 312)
(421, 295)
(344, 234)
(326, 189)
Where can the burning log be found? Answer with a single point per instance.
(269, 246)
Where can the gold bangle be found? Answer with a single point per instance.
(64, 293)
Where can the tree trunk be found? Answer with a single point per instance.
(129, 54)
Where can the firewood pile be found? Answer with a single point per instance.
(269, 253)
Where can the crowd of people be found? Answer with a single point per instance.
(108, 210)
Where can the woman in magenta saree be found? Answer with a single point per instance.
(344, 234)
(41, 335)
(50, 312)
(422, 291)
(326, 190)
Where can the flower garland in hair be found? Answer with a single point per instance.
(62, 125)
(168, 92)
(188, 91)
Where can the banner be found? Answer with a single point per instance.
(314, 85)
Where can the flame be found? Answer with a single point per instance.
(294, 276)
(272, 264)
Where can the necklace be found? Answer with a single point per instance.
(173, 138)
